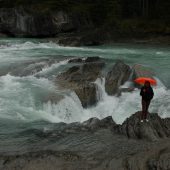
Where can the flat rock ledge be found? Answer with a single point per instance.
(100, 145)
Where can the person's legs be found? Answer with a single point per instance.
(144, 109)
(147, 107)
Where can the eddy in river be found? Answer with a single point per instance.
(147, 95)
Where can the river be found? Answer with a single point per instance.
(24, 112)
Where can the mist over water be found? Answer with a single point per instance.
(24, 99)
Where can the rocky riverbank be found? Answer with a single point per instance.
(100, 144)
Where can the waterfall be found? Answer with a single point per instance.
(100, 89)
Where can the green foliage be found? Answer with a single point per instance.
(144, 26)
(128, 14)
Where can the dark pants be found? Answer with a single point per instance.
(145, 107)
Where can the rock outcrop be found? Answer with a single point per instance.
(95, 145)
(116, 77)
(153, 130)
(81, 78)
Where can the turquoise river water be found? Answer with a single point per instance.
(24, 110)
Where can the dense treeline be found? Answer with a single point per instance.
(125, 8)
(151, 9)
(127, 14)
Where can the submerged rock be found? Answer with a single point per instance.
(30, 67)
(116, 77)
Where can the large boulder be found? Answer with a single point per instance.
(81, 78)
(82, 73)
(87, 94)
(116, 77)
(153, 130)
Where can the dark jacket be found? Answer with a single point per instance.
(147, 93)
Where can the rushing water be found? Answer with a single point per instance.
(24, 110)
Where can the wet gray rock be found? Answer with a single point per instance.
(87, 72)
(153, 130)
(94, 145)
(21, 21)
(160, 161)
(167, 122)
(81, 78)
(116, 77)
(92, 59)
(87, 94)
(95, 123)
(76, 60)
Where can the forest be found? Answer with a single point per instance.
(150, 9)
(126, 15)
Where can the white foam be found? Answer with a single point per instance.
(28, 45)
(54, 66)
(21, 98)
(118, 107)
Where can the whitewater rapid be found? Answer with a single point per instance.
(23, 98)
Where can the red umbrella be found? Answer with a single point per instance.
(142, 80)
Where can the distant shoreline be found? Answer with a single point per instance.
(74, 40)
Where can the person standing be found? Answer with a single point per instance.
(147, 95)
